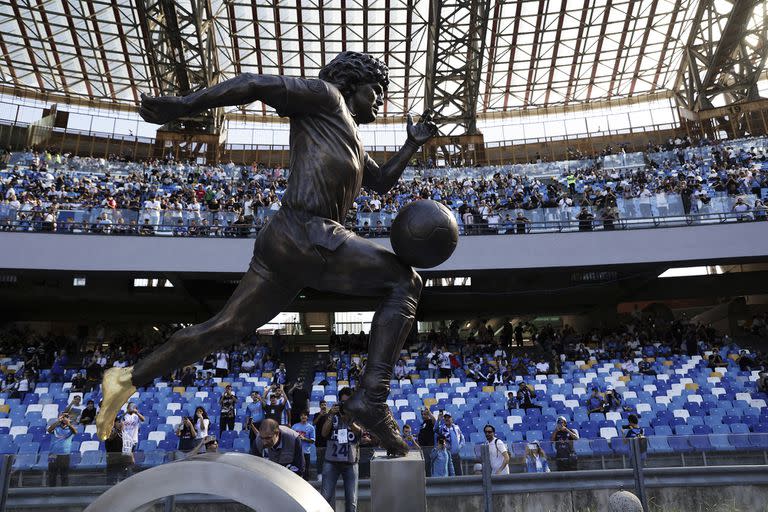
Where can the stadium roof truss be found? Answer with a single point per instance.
(724, 70)
(527, 53)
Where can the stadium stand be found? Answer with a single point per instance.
(51, 192)
(707, 402)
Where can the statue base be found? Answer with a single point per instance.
(398, 483)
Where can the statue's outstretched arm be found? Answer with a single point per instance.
(241, 90)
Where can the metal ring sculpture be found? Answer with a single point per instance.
(255, 482)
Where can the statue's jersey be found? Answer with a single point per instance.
(327, 156)
(328, 167)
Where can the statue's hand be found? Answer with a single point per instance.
(422, 131)
(162, 109)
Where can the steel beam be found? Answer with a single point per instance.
(124, 46)
(624, 32)
(603, 28)
(408, 26)
(52, 41)
(102, 51)
(455, 54)
(8, 61)
(643, 44)
(725, 54)
(30, 53)
(496, 20)
(573, 76)
(182, 38)
(563, 6)
(668, 39)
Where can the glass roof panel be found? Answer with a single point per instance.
(98, 48)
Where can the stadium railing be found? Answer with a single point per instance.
(629, 214)
(657, 462)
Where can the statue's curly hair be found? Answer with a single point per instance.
(353, 68)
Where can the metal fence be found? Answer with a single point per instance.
(636, 476)
(629, 214)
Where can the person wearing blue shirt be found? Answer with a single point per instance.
(61, 446)
(535, 459)
(633, 430)
(307, 433)
(409, 439)
(57, 370)
(454, 438)
(595, 402)
(441, 460)
(254, 414)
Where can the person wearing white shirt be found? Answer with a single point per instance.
(645, 202)
(100, 359)
(193, 210)
(493, 221)
(740, 209)
(483, 210)
(201, 423)
(222, 364)
(152, 211)
(175, 213)
(248, 208)
(629, 367)
(433, 359)
(499, 454)
(132, 420)
(468, 219)
(248, 364)
(445, 364)
(662, 205)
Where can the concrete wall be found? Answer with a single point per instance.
(686, 499)
(671, 499)
(683, 245)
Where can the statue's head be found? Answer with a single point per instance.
(362, 80)
(350, 69)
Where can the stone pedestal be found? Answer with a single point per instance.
(398, 484)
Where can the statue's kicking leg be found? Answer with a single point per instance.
(256, 300)
(360, 267)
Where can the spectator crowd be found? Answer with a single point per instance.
(52, 192)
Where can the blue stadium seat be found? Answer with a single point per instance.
(600, 447)
(93, 459)
(659, 444)
(758, 441)
(720, 442)
(700, 443)
(25, 461)
(619, 447)
(241, 445)
(679, 444)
